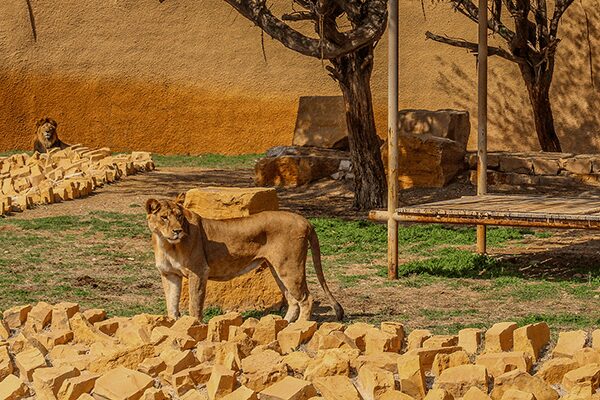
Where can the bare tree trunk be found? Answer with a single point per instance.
(353, 73)
(538, 88)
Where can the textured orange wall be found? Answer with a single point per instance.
(189, 77)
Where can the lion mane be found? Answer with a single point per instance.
(46, 137)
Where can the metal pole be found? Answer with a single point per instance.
(482, 71)
(392, 138)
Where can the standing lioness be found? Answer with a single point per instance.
(187, 245)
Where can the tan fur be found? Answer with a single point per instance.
(187, 245)
(46, 136)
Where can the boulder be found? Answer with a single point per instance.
(289, 388)
(450, 124)
(569, 343)
(531, 339)
(321, 122)
(256, 290)
(522, 381)
(553, 371)
(500, 363)
(294, 168)
(426, 160)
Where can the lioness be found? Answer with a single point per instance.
(46, 137)
(187, 245)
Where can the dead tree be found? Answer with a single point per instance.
(531, 45)
(349, 53)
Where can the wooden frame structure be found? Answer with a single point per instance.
(481, 210)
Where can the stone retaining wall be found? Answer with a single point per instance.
(538, 168)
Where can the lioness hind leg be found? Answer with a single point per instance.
(293, 309)
(296, 293)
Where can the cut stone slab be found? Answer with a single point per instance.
(417, 337)
(218, 327)
(357, 332)
(438, 394)
(73, 388)
(28, 361)
(514, 394)
(267, 328)
(122, 384)
(500, 337)
(411, 376)
(475, 393)
(321, 122)
(569, 343)
(587, 356)
(16, 316)
(588, 375)
(374, 382)
(221, 383)
(457, 380)
(394, 395)
(440, 341)
(442, 362)
(289, 388)
(378, 341)
(336, 388)
(47, 381)
(13, 388)
(241, 393)
(296, 334)
(553, 371)
(330, 362)
(262, 369)
(470, 339)
(256, 290)
(522, 381)
(500, 363)
(531, 339)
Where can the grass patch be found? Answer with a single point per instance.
(207, 160)
(13, 152)
(435, 315)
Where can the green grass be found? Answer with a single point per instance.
(12, 152)
(207, 160)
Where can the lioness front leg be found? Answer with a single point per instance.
(172, 288)
(197, 293)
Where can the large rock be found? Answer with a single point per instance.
(256, 290)
(295, 166)
(426, 160)
(449, 124)
(321, 122)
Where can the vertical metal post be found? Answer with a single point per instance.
(482, 75)
(392, 138)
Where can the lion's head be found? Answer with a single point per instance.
(46, 131)
(166, 218)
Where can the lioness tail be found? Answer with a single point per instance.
(316, 256)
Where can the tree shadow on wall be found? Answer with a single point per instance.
(575, 92)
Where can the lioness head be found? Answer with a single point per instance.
(166, 219)
(46, 131)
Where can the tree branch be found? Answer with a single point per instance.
(372, 27)
(470, 10)
(473, 47)
(559, 9)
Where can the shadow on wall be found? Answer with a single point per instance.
(575, 93)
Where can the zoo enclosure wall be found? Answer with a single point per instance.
(189, 77)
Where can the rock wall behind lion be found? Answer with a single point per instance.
(190, 77)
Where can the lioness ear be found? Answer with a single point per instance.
(40, 122)
(53, 122)
(180, 199)
(152, 206)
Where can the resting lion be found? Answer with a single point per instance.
(187, 245)
(46, 137)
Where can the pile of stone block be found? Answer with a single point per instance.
(61, 175)
(538, 168)
(432, 147)
(61, 352)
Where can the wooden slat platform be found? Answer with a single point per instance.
(505, 210)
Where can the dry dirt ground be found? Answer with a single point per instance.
(552, 275)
